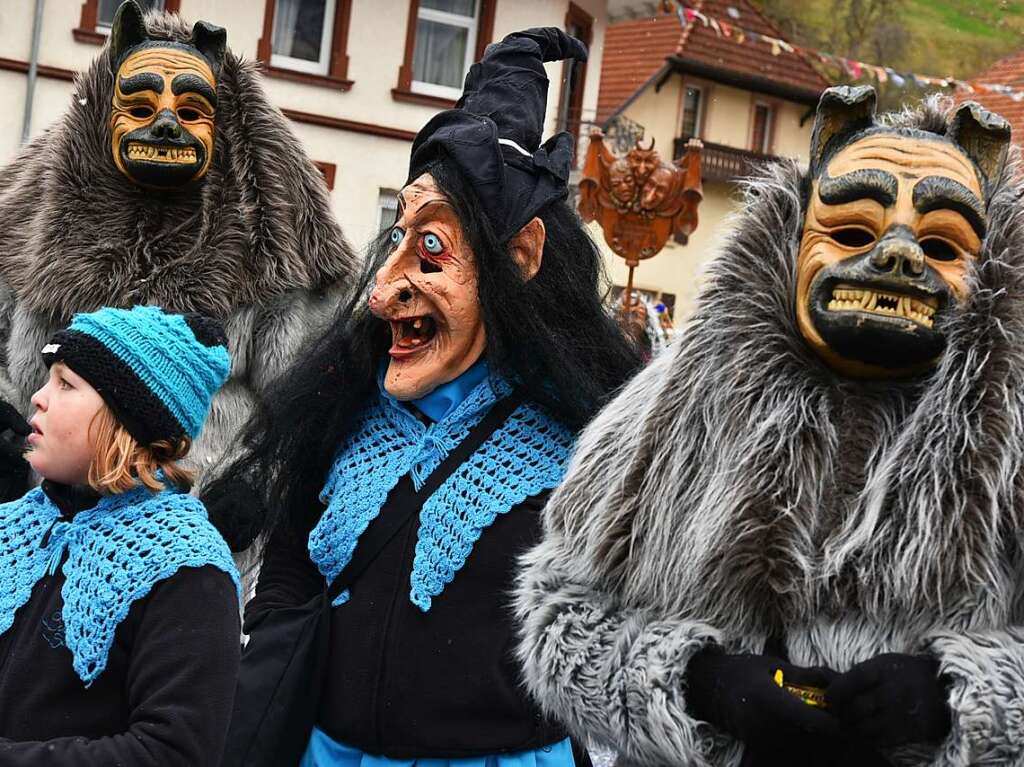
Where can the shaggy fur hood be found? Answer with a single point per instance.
(739, 480)
(78, 234)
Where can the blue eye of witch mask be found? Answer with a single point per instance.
(432, 244)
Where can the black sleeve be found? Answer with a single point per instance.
(287, 577)
(179, 688)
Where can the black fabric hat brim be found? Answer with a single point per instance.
(492, 136)
(134, 405)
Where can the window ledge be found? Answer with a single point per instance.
(325, 81)
(399, 94)
(90, 36)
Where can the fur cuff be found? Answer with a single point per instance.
(613, 675)
(986, 697)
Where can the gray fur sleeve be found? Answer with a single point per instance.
(283, 328)
(614, 676)
(986, 697)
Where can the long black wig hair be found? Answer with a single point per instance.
(550, 335)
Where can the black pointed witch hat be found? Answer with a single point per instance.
(492, 136)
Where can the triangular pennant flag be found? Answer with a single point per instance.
(776, 50)
(726, 28)
(690, 14)
(741, 36)
(714, 26)
(881, 75)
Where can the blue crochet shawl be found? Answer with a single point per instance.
(525, 456)
(116, 552)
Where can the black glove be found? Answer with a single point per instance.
(235, 510)
(738, 694)
(13, 466)
(892, 700)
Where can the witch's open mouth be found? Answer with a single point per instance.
(169, 154)
(853, 298)
(412, 334)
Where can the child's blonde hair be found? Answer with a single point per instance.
(120, 462)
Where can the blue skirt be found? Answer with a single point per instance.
(323, 751)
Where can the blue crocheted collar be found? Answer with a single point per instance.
(522, 458)
(448, 396)
(116, 552)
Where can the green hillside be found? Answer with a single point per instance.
(933, 37)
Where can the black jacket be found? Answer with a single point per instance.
(407, 684)
(163, 699)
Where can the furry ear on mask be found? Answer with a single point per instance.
(842, 109)
(527, 248)
(127, 31)
(211, 41)
(984, 136)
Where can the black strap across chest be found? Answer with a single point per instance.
(377, 536)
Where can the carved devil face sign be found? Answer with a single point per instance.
(163, 112)
(893, 224)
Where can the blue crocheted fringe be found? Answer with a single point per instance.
(116, 552)
(522, 458)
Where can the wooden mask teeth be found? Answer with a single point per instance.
(850, 298)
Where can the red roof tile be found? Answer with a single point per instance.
(1007, 71)
(635, 50)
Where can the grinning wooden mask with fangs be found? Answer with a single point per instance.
(163, 111)
(894, 220)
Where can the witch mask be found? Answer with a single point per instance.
(893, 222)
(163, 112)
(428, 291)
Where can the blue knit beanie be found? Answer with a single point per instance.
(155, 370)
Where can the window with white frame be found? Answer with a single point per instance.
(693, 103)
(387, 209)
(445, 42)
(105, 10)
(301, 39)
(761, 133)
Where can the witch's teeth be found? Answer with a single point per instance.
(417, 323)
(871, 302)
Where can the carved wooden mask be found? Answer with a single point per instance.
(894, 220)
(163, 111)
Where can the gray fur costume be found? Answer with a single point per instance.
(738, 487)
(254, 243)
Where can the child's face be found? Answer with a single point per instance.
(60, 447)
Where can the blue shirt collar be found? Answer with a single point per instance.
(443, 400)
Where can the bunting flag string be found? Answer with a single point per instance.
(854, 69)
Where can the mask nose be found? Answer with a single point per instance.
(166, 126)
(397, 292)
(899, 255)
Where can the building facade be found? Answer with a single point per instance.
(357, 78)
(747, 103)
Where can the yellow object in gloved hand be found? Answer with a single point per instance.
(812, 696)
